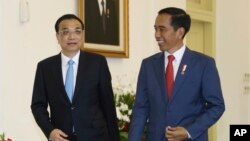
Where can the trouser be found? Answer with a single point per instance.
(72, 137)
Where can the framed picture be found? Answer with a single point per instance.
(106, 26)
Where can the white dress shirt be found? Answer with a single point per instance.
(100, 5)
(65, 66)
(178, 56)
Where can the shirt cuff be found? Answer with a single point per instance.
(189, 136)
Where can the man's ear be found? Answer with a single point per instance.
(57, 37)
(181, 32)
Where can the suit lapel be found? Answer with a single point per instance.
(182, 73)
(159, 65)
(59, 77)
(82, 65)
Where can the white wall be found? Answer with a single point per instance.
(232, 55)
(1, 64)
(141, 41)
(23, 45)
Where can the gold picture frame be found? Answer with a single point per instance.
(118, 49)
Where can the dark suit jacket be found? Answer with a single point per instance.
(93, 23)
(197, 100)
(92, 111)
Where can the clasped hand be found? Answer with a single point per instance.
(58, 135)
(176, 133)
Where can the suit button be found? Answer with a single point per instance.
(72, 108)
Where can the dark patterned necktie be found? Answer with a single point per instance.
(103, 17)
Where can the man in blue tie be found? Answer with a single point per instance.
(76, 85)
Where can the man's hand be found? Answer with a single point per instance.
(57, 135)
(176, 133)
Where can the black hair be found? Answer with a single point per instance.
(67, 17)
(179, 18)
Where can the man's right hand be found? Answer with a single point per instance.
(57, 135)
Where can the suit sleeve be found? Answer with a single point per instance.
(107, 101)
(39, 103)
(141, 107)
(212, 93)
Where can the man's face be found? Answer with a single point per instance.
(70, 36)
(168, 39)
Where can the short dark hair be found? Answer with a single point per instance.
(179, 18)
(67, 17)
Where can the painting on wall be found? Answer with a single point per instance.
(106, 26)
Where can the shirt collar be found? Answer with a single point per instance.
(65, 59)
(177, 54)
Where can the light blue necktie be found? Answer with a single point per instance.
(69, 82)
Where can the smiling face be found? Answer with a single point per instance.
(70, 36)
(167, 37)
